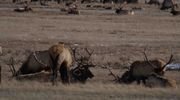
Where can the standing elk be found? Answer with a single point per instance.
(155, 80)
(61, 60)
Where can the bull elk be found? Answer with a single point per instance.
(140, 70)
(155, 80)
(82, 72)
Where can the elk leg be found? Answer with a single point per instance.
(138, 80)
(65, 74)
(54, 76)
(68, 75)
(144, 81)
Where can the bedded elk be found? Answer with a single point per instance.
(140, 70)
(121, 11)
(168, 4)
(155, 80)
(24, 8)
(155, 2)
(36, 62)
(82, 72)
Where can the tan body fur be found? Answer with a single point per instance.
(63, 62)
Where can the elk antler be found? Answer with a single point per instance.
(74, 53)
(170, 60)
(111, 73)
(146, 59)
(90, 53)
(12, 66)
(79, 61)
(83, 60)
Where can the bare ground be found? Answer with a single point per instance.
(114, 38)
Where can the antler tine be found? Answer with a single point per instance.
(144, 52)
(11, 67)
(170, 60)
(146, 58)
(12, 64)
(74, 53)
(90, 53)
(111, 73)
(123, 5)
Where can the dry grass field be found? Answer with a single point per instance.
(119, 39)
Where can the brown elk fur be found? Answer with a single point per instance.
(159, 81)
(62, 61)
(143, 68)
(140, 70)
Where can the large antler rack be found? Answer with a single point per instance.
(82, 59)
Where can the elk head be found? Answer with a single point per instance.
(83, 63)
